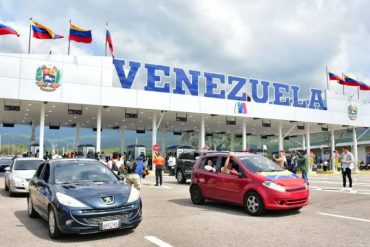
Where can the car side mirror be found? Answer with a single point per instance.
(121, 177)
(41, 183)
(7, 169)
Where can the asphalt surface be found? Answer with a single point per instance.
(333, 218)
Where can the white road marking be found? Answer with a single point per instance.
(345, 217)
(157, 241)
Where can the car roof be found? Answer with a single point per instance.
(235, 154)
(59, 161)
(16, 159)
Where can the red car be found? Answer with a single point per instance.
(254, 182)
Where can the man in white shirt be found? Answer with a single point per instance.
(347, 161)
(210, 166)
(171, 164)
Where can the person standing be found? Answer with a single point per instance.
(171, 164)
(303, 163)
(293, 162)
(159, 162)
(347, 161)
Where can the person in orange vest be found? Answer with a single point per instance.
(159, 162)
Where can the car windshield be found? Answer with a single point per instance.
(27, 164)
(82, 171)
(256, 163)
(6, 162)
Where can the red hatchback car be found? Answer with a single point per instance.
(255, 182)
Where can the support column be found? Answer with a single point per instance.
(154, 135)
(98, 130)
(332, 148)
(232, 141)
(77, 140)
(122, 138)
(355, 150)
(244, 134)
(33, 136)
(280, 136)
(303, 142)
(42, 131)
(308, 145)
(202, 133)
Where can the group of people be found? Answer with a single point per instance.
(300, 160)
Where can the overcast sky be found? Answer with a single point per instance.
(283, 41)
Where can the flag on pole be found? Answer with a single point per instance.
(334, 77)
(350, 81)
(41, 31)
(109, 41)
(4, 30)
(364, 86)
(79, 34)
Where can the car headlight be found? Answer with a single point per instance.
(69, 201)
(274, 186)
(134, 195)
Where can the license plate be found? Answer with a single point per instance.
(112, 224)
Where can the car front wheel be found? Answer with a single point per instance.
(253, 204)
(180, 177)
(53, 226)
(10, 192)
(31, 212)
(196, 195)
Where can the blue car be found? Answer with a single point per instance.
(82, 196)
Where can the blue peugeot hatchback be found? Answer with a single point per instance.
(82, 196)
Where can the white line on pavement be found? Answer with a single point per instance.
(157, 241)
(345, 217)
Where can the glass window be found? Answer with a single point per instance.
(76, 171)
(256, 163)
(45, 173)
(27, 164)
(39, 170)
(186, 156)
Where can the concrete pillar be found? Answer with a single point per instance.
(332, 148)
(33, 136)
(42, 131)
(232, 141)
(244, 134)
(202, 133)
(303, 142)
(98, 130)
(355, 150)
(122, 138)
(280, 136)
(77, 139)
(154, 135)
(308, 143)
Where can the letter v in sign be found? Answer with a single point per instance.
(126, 81)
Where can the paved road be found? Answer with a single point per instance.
(333, 218)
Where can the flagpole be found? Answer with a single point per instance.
(105, 44)
(29, 38)
(69, 41)
(358, 91)
(327, 78)
(343, 84)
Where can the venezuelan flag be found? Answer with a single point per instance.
(109, 41)
(334, 77)
(43, 32)
(4, 29)
(79, 34)
(364, 86)
(349, 81)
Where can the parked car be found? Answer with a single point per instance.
(257, 183)
(4, 163)
(184, 165)
(82, 196)
(19, 173)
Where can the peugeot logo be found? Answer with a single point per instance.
(107, 199)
